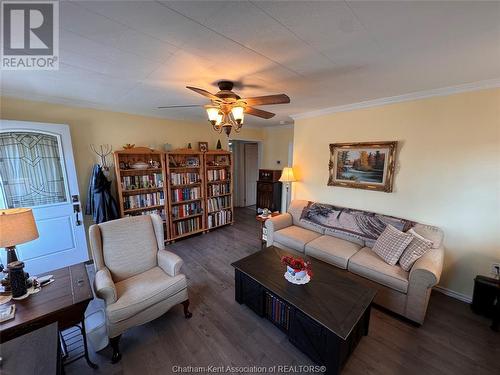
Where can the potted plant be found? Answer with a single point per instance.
(297, 267)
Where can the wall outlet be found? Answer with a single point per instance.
(495, 269)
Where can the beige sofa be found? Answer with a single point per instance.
(405, 293)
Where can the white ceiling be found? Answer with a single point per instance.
(133, 56)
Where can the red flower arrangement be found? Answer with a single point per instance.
(298, 264)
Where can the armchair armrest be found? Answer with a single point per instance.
(276, 223)
(427, 269)
(104, 286)
(169, 262)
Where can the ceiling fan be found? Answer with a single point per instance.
(226, 110)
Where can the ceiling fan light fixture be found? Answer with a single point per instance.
(212, 113)
(238, 114)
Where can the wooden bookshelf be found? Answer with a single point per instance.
(142, 191)
(186, 193)
(219, 188)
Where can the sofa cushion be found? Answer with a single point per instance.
(368, 264)
(295, 237)
(417, 247)
(391, 244)
(433, 234)
(295, 209)
(332, 250)
(142, 291)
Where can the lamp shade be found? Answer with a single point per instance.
(287, 175)
(17, 225)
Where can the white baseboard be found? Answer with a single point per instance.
(456, 295)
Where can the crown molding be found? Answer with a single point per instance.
(473, 86)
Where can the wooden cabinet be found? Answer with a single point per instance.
(269, 190)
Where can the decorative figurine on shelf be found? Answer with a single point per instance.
(298, 271)
(203, 146)
(189, 146)
(219, 145)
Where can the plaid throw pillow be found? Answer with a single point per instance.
(391, 244)
(417, 247)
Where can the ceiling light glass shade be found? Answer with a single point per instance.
(213, 113)
(219, 119)
(238, 114)
(287, 175)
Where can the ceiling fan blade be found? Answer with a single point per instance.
(268, 99)
(203, 92)
(181, 106)
(258, 112)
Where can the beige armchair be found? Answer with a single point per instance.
(137, 278)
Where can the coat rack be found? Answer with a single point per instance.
(105, 150)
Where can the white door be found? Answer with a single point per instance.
(251, 173)
(37, 170)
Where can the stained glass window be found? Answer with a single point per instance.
(31, 171)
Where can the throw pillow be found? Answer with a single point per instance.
(417, 247)
(391, 244)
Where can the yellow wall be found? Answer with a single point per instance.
(103, 127)
(447, 174)
(276, 140)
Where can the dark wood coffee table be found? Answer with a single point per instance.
(325, 318)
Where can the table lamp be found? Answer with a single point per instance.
(17, 226)
(287, 177)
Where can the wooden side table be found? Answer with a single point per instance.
(64, 301)
(486, 299)
(263, 230)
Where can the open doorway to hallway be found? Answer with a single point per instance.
(247, 159)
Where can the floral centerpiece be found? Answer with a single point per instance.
(297, 269)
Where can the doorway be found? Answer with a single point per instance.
(246, 155)
(37, 170)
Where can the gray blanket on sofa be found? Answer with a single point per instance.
(362, 225)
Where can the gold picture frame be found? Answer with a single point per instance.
(363, 165)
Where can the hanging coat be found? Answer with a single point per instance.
(100, 203)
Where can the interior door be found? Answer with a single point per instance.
(37, 170)
(251, 173)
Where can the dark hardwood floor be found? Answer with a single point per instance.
(452, 340)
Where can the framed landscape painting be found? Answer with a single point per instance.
(365, 165)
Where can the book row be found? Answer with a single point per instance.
(184, 178)
(186, 226)
(219, 218)
(218, 189)
(161, 213)
(186, 194)
(143, 200)
(217, 174)
(277, 311)
(183, 210)
(216, 204)
(142, 182)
